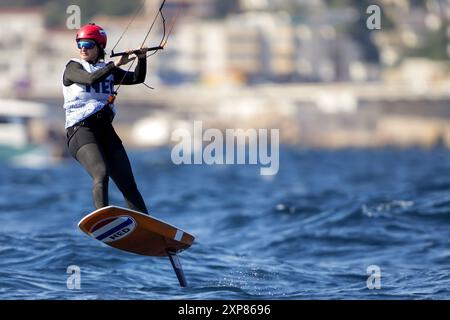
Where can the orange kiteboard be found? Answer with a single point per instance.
(132, 231)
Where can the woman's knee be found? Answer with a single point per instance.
(100, 174)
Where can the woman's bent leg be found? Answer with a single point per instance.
(91, 158)
(122, 174)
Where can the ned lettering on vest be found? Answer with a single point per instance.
(106, 86)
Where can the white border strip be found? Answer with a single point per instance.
(178, 235)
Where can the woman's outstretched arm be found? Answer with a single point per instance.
(75, 73)
(136, 77)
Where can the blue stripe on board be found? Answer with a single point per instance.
(113, 230)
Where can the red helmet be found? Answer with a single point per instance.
(94, 32)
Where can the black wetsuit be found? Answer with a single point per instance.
(94, 143)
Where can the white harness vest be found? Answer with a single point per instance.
(81, 101)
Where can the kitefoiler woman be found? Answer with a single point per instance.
(88, 87)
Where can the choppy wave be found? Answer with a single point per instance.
(310, 232)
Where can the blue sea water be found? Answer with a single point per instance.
(310, 232)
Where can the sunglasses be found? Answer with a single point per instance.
(85, 44)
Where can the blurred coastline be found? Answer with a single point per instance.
(308, 76)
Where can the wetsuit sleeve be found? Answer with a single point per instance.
(75, 73)
(138, 76)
